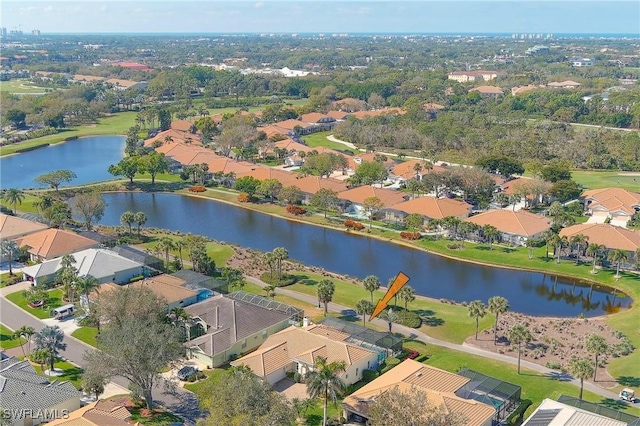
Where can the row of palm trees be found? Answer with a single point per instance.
(461, 229)
(274, 259)
(48, 343)
(129, 218)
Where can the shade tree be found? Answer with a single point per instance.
(56, 178)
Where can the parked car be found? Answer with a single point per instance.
(187, 371)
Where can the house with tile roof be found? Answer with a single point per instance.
(31, 398)
(102, 264)
(349, 105)
(12, 227)
(99, 413)
(515, 227)
(352, 200)
(554, 413)
(438, 386)
(297, 126)
(226, 326)
(488, 91)
(338, 115)
(324, 121)
(429, 208)
(120, 84)
(567, 84)
(309, 185)
(184, 126)
(616, 205)
(378, 112)
(297, 349)
(469, 76)
(404, 171)
(170, 288)
(51, 243)
(611, 236)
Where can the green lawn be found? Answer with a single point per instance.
(596, 179)
(22, 86)
(320, 139)
(70, 373)
(440, 320)
(6, 338)
(535, 386)
(26, 206)
(87, 335)
(55, 300)
(218, 252)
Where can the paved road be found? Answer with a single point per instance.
(418, 335)
(178, 400)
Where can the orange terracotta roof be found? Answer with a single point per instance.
(313, 117)
(355, 161)
(99, 413)
(490, 90)
(610, 236)
(80, 77)
(291, 124)
(516, 223)
(375, 113)
(265, 172)
(509, 187)
(291, 145)
(611, 199)
(312, 184)
(435, 208)
(357, 195)
(52, 243)
(177, 137)
(273, 130)
(166, 286)
(405, 169)
(13, 227)
(122, 83)
(182, 125)
(338, 115)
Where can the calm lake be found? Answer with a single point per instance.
(431, 275)
(88, 158)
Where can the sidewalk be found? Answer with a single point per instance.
(412, 333)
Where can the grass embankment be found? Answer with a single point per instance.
(55, 300)
(6, 338)
(116, 124)
(535, 386)
(87, 335)
(320, 139)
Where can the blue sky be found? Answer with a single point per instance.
(329, 16)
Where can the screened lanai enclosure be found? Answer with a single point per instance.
(503, 396)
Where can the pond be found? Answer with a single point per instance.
(431, 275)
(89, 158)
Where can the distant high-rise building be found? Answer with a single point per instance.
(3, 32)
(35, 32)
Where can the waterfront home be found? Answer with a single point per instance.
(429, 208)
(615, 205)
(353, 200)
(516, 227)
(297, 349)
(448, 391)
(406, 170)
(611, 236)
(12, 227)
(226, 326)
(167, 287)
(132, 253)
(309, 185)
(51, 243)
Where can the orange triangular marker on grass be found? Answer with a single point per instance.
(399, 282)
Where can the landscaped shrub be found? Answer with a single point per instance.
(515, 418)
(285, 281)
(389, 363)
(136, 278)
(369, 375)
(197, 188)
(554, 365)
(455, 246)
(295, 210)
(410, 235)
(244, 198)
(409, 319)
(422, 358)
(352, 224)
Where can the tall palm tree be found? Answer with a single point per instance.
(407, 294)
(519, 335)
(14, 197)
(596, 345)
(281, 254)
(270, 291)
(477, 310)
(595, 251)
(127, 218)
(140, 218)
(181, 318)
(497, 305)
(391, 317)
(86, 285)
(180, 245)
(581, 369)
(491, 233)
(50, 338)
(68, 276)
(579, 241)
(9, 250)
(165, 245)
(269, 259)
(364, 308)
(24, 332)
(618, 256)
(371, 283)
(324, 382)
(548, 237)
(326, 288)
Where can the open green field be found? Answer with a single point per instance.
(535, 386)
(26, 206)
(6, 338)
(320, 139)
(597, 179)
(87, 335)
(22, 86)
(55, 300)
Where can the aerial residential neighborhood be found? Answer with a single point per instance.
(270, 213)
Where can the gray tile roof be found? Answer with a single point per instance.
(22, 388)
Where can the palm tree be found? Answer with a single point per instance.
(40, 357)
(531, 244)
(595, 250)
(324, 382)
(407, 294)
(491, 233)
(579, 240)
(558, 243)
(269, 259)
(44, 203)
(181, 318)
(86, 285)
(180, 245)
(364, 308)
(326, 288)
(24, 332)
(270, 290)
(14, 197)
(68, 276)
(280, 254)
(391, 317)
(50, 338)
(618, 256)
(9, 250)
(497, 305)
(581, 369)
(165, 245)
(517, 336)
(371, 283)
(127, 218)
(596, 345)
(140, 219)
(477, 310)
(548, 237)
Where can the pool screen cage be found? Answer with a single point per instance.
(388, 342)
(503, 396)
(295, 314)
(600, 409)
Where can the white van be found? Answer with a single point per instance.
(63, 312)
